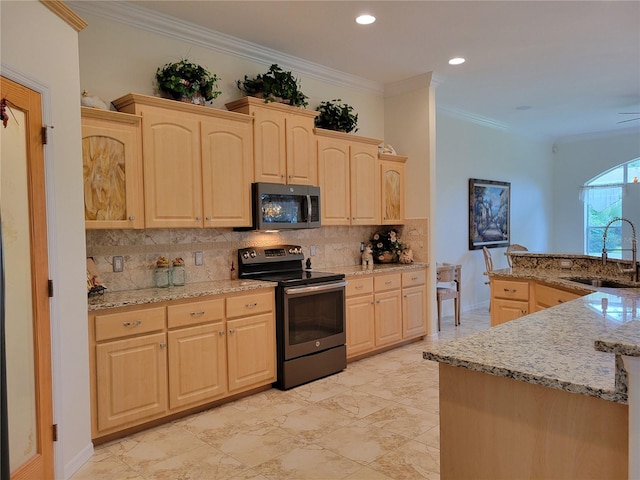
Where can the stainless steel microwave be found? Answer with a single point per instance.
(278, 207)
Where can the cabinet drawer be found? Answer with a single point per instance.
(549, 296)
(415, 277)
(250, 304)
(195, 312)
(117, 325)
(510, 289)
(359, 286)
(387, 282)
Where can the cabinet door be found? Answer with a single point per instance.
(365, 185)
(360, 325)
(172, 169)
(546, 296)
(131, 381)
(112, 169)
(388, 317)
(414, 311)
(197, 364)
(503, 310)
(302, 160)
(227, 172)
(392, 193)
(270, 155)
(333, 176)
(251, 346)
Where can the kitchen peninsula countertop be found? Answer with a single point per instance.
(351, 270)
(190, 290)
(556, 347)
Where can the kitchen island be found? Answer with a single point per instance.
(532, 398)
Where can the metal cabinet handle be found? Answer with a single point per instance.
(208, 217)
(359, 287)
(163, 345)
(414, 278)
(388, 282)
(251, 305)
(221, 333)
(195, 314)
(198, 217)
(233, 330)
(510, 290)
(132, 324)
(132, 218)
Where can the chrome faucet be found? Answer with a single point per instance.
(634, 265)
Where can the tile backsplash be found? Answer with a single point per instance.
(335, 246)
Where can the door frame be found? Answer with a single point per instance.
(30, 99)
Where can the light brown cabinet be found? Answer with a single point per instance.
(151, 362)
(385, 309)
(392, 184)
(112, 169)
(546, 296)
(284, 145)
(509, 300)
(197, 163)
(414, 304)
(349, 178)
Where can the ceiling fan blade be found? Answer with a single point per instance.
(630, 120)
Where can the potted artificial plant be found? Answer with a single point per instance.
(275, 85)
(188, 82)
(336, 116)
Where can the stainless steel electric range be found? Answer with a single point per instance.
(310, 313)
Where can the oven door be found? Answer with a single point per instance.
(313, 318)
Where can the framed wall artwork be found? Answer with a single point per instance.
(489, 210)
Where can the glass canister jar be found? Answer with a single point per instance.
(178, 274)
(161, 277)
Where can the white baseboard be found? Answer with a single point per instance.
(78, 461)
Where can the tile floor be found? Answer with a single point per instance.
(378, 419)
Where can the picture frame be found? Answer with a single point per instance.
(489, 213)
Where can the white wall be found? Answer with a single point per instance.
(469, 150)
(40, 50)
(576, 162)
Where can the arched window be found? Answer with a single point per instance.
(614, 193)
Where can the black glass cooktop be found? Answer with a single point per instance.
(303, 277)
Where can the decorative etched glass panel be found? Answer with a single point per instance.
(103, 161)
(392, 194)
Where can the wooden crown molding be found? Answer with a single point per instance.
(64, 12)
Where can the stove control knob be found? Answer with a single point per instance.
(245, 254)
(253, 254)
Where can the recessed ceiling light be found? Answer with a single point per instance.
(457, 61)
(365, 19)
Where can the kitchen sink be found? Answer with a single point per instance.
(598, 282)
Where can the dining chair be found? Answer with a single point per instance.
(488, 262)
(514, 247)
(446, 276)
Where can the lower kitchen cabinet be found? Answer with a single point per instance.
(546, 296)
(384, 310)
(131, 380)
(147, 363)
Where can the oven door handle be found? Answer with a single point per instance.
(314, 288)
(309, 211)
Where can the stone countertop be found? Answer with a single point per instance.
(190, 290)
(554, 347)
(201, 289)
(352, 270)
(622, 341)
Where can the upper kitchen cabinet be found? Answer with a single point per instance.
(392, 188)
(349, 178)
(284, 147)
(197, 163)
(112, 169)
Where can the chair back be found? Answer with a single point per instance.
(488, 261)
(514, 247)
(447, 274)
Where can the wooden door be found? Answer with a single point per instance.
(227, 172)
(333, 176)
(197, 364)
(360, 325)
(25, 303)
(302, 160)
(251, 347)
(414, 311)
(269, 138)
(388, 317)
(365, 185)
(131, 381)
(172, 169)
